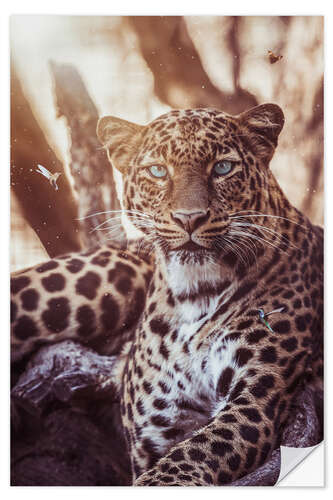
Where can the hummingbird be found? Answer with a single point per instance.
(273, 58)
(262, 316)
(51, 177)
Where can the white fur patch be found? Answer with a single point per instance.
(184, 278)
(189, 328)
(189, 311)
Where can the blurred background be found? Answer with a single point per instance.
(68, 70)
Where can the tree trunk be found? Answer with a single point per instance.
(52, 214)
(90, 167)
(179, 76)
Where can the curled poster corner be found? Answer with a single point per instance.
(291, 458)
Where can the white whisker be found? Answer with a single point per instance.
(260, 239)
(276, 234)
(122, 211)
(260, 214)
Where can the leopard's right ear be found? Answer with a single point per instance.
(262, 125)
(120, 139)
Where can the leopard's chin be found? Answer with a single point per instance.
(192, 253)
(190, 246)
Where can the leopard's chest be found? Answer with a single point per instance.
(196, 362)
(183, 378)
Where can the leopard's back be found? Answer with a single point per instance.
(95, 297)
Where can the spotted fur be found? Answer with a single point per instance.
(96, 297)
(205, 386)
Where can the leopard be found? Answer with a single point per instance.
(95, 296)
(217, 329)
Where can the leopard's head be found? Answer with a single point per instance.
(189, 172)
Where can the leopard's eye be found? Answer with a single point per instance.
(158, 171)
(222, 167)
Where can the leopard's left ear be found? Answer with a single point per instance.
(120, 139)
(263, 125)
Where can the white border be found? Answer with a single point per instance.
(142, 7)
(308, 471)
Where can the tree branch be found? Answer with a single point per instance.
(75, 375)
(90, 168)
(66, 421)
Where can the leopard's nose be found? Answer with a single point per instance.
(190, 220)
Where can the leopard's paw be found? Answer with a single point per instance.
(167, 474)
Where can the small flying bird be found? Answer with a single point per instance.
(263, 315)
(51, 177)
(273, 58)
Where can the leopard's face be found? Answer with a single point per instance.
(189, 172)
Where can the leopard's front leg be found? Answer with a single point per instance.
(238, 440)
(249, 387)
